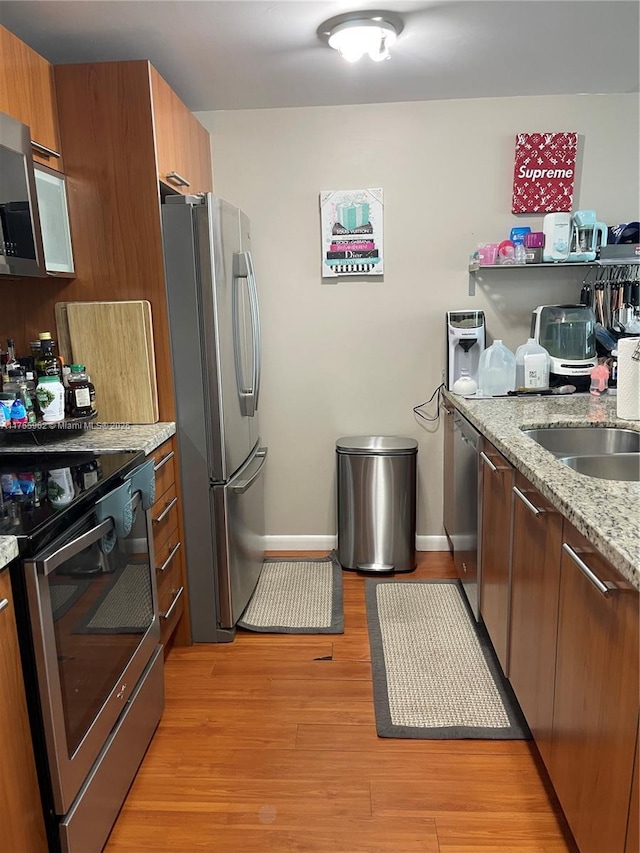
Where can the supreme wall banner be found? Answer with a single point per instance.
(544, 172)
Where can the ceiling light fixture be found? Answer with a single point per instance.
(357, 33)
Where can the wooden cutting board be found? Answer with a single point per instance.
(115, 342)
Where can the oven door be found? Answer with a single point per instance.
(94, 621)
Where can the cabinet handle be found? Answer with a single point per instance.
(174, 551)
(178, 594)
(4, 603)
(493, 467)
(164, 460)
(536, 510)
(165, 512)
(177, 179)
(605, 587)
(42, 149)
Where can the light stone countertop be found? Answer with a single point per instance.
(8, 550)
(99, 438)
(607, 512)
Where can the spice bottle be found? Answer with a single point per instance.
(79, 392)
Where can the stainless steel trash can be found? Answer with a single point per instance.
(377, 503)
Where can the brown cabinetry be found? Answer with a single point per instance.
(633, 828)
(22, 824)
(595, 713)
(495, 547)
(535, 582)
(168, 548)
(182, 144)
(27, 93)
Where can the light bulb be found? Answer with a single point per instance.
(355, 38)
(381, 52)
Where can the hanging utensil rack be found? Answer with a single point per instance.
(613, 291)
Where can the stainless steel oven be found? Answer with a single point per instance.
(90, 636)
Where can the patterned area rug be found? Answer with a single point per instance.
(435, 674)
(297, 596)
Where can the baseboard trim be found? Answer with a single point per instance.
(300, 543)
(432, 543)
(328, 543)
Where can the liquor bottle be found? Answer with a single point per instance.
(47, 362)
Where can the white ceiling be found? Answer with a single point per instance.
(240, 54)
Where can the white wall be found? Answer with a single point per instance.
(355, 357)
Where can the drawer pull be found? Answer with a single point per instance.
(165, 512)
(42, 149)
(175, 178)
(487, 461)
(4, 603)
(178, 594)
(164, 460)
(536, 510)
(174, 551)
(605, 587)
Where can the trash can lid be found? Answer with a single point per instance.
(377, 444)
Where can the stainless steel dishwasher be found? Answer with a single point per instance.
(464, 536)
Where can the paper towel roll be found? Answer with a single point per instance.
(628, 397)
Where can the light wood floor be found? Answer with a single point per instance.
(269, 744)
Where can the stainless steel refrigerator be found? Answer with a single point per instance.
(215, 343)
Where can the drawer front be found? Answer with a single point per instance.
(171, 597)
(164, 464)
(164, 516)
(169, 553)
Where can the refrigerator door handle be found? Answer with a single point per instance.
(242, 485)
(255, 314)
(246, 394)
(244, 269)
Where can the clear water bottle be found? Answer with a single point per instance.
(496, 370)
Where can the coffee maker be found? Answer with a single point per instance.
(568, 333)
(465, 343)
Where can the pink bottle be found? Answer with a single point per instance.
(599, 380)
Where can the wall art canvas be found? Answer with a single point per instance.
(544, 172)
(351, 223)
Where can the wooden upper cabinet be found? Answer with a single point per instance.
(183, 154)
(595, 719)
(27, 93)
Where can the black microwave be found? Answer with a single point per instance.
(21, 247)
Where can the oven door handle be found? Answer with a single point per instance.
(50, 563)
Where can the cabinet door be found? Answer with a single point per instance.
(22, 824)
(595, 713)
(535, 583)
(182, 143)
(27, 93)
(633, 828)
(495, 547)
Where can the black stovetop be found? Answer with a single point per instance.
(29, 509)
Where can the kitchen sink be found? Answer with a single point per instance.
(611, 466)
(587, 441)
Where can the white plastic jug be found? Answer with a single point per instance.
(532, 367)
(496, 371)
